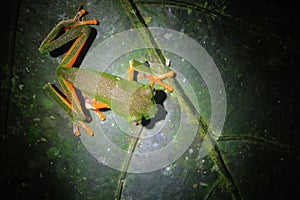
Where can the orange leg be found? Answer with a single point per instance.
(93, 104)
(146, 72)
(78, 30)
(83, 125)
(66, 104)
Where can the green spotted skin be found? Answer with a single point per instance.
(129, 99)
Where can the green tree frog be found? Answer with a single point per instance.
(126, 97)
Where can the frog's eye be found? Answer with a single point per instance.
(146, 63)
(148, 91)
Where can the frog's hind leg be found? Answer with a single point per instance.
(76, 30)
(77, 118)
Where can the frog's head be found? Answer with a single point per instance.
(142, 105)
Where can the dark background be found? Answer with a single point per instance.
(255, 45)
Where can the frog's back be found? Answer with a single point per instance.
(100, 85)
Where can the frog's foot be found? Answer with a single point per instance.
(79, 17)
(78, 20)
(81, 12)
(93, 104)
(83, 125)
(158, 79)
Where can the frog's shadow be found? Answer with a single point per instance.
(159, 98)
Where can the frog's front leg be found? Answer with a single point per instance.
(146, 72)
